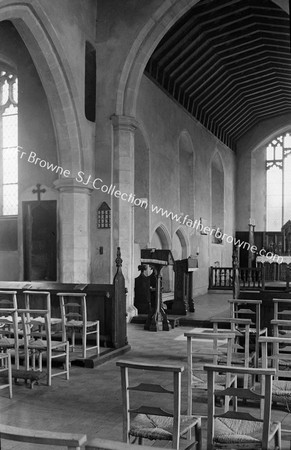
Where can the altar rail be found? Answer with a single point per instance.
(222, 278)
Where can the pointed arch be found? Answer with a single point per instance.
(163, 235)
(143, 46)
(50, 61)
(184, 243)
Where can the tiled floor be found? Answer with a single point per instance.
(90, 402)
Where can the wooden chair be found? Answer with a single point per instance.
(241, 308)
(152, 422)
(241, 355)
(239, 429)
(197, 357)
(9, 321)
(6, 371)
(42, 300)
(282, 317)
(274, 356)
(282, 308)
(34, 321)
(69, 440)
(74, 309)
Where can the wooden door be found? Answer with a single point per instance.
(40, 240)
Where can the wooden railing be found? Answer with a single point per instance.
(250, 278)
(222, 278)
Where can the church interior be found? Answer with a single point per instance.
(145, 213)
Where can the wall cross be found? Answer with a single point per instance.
(38, 191)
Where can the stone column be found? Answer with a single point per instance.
(74, 231)
(123, 208)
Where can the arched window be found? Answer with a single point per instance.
(278, 179)
(217, 195)
(8, 143)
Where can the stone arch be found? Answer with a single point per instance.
(50, 62)
(186, 142)
(161, 239)
(143, 46)
(163, 236)
(184, 245)
(259, 185)
(263, 142)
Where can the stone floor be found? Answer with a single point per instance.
(90, 402)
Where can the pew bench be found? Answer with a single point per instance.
(104, 444)
(69, 440)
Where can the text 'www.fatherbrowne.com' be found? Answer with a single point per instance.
(98, 184)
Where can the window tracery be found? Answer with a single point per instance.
(9, 143)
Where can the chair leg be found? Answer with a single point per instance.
(49, 368)
(16, 356)
(277, 439)
(26, 358)
(40, 361)
(73, 339)
(98, 338)
(9, 375)
(84, 342)
(67, 360)
(198, 435)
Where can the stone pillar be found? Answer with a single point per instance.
(74, 231)
(123, 208)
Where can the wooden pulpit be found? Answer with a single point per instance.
(157, 259)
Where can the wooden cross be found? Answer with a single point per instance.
(38, 191)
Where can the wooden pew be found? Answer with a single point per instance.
(105, 302)
(69, 440)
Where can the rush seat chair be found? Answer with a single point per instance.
(154, 422)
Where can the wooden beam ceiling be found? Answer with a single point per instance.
(228, 63)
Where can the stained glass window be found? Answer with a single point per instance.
(8, 143)
(278, 166)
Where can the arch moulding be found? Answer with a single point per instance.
(50, 61)
(142, 48)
